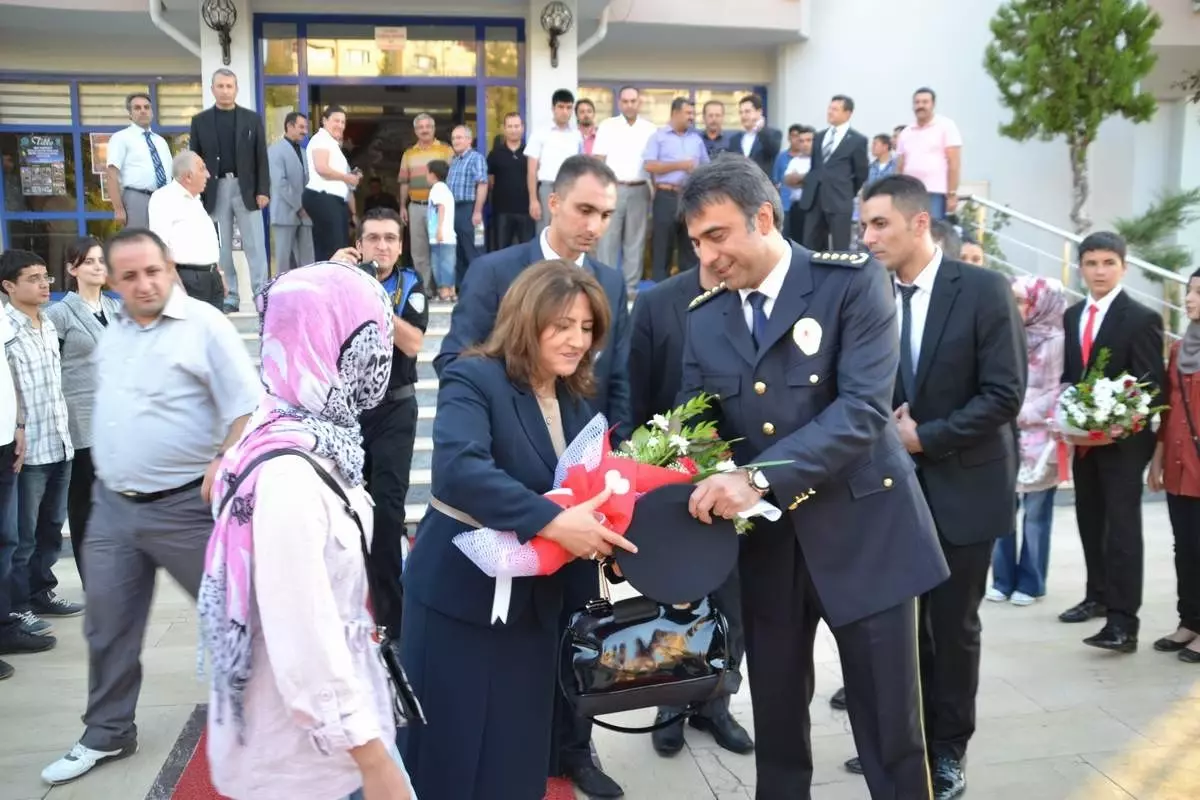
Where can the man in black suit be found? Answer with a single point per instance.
(655, 376)
(801, 349)
(957, 394)
(1108, 475)
(756, 141)
(839, 170)
(581, 202)
(233, 145)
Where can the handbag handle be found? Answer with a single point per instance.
(1187, 410)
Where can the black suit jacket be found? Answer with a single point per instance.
(1133, 335)
(253, 168)
(656, 339)
(832, 185)
(475, 315)
(969, 386)
(765, 149)
(865, 530)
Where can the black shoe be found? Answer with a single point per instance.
(668, 741)
(17, 641)
(949, 780)
(591, 781)
(1189, 656)
(854, 765)
(1165, 645)
(838, 701)
(727, 731)
(1088, 609)
(6, 670)
(1114, 639)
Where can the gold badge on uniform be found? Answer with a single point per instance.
(807, 335)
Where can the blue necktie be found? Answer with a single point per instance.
(758, 328)
(160, 173)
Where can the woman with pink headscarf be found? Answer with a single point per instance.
(300, 703)
(1020, 577)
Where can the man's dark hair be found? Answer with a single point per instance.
(946, 237)
(129, 98)
(1103, 240)
(331, 110)
(438, 169)
(1194, 275)
(753, 100)
(801, 129)
(737, 180)
(129, 236)
(512, 114)
(291, 118)
(885, 139)
(13, 262)
(908, 194)
(575, 167)
(846, 101)
(679, 102)
(926, 90)
(562, 96)
(896, 131)
(712, 103)
(380, 214)
(583, 101)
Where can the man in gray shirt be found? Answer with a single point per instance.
(175, 389)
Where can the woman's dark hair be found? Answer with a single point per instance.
(535, 300)
(76, 254)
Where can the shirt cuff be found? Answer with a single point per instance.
(337, 733)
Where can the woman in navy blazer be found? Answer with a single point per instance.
(504, 412)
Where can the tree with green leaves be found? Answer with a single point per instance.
(1065, 66)
(1151, 236)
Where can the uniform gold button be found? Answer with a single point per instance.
(887, 483)
(768, 429)
(814, 378)
(760, 387)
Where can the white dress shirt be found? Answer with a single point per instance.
(623, 146)
(838, 132)
(1102, 306)
(551, 147)
(771, 286)
(129, 153)
(548, 251)
(748, 138)
(323, 140)
(919, 304)
(179, 219)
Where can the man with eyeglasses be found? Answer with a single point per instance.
(44, 472)
(138, 163)
(390, 429)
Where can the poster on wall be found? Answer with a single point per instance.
(99, 144)
(390, 37)
(43, 166)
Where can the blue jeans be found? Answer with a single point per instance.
(1027, 573)
(937, 206)
(442, 258)
(41, 512)
(9, 538)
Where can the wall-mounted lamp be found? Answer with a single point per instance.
(556, 21)
(220, 16)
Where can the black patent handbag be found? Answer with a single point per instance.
(639, 653)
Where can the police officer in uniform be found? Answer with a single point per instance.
(390, 429)
(801, 349)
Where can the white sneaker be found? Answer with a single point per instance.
(1022, 599)
(995, 595)
(80, 761)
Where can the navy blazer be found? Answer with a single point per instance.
(475, 314)
(656, 344)
(864, 527)
(492, 460)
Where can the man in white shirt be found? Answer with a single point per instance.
(621, 143)
(178, 217)
(545, 152)
(137, 164)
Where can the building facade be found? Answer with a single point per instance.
(67, 65)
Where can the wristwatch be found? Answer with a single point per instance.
(758, 481)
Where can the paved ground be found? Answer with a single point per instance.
(1057, 721)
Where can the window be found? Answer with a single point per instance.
(601, 97)
(35, 104)
(281, 101)
(104, 103)
(279, 49)
(178, 103)
(502, 52)
(656, 103)
(355, 50)
(501, 100)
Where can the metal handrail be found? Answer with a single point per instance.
(1145, 266)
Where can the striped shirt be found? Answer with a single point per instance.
(466, 173)
(414, 167)
(36, 365)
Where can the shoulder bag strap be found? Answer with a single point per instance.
(1187, 409)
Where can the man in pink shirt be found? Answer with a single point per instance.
(931, 151)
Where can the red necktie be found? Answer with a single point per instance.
(1089, 334)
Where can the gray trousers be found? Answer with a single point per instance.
(137, 208)
(126, 544)
(418, 240)
(626, 235)
(293, 244)
(230, 206)
(544, 190)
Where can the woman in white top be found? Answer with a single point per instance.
(300, 704)
(329, 197)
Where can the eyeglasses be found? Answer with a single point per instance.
(375, 238)
(37, 280)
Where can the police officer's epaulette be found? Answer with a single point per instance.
(839, 259)
(708, 295)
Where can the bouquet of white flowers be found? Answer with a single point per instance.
(1106, 409)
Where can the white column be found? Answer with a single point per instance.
(241, 56)
(541, 80)
(1189, 169)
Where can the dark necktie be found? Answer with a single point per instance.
(160, 172)
(827, 145)
(907, 373)
(758, 327)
